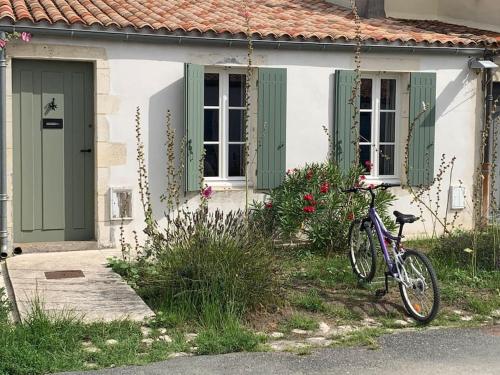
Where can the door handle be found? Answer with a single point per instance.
(86, 150)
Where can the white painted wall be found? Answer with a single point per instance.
(151, 77)
(482, 14)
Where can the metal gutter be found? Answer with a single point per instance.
(231, 41)
(3, 151)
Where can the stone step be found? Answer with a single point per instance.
(54, 247)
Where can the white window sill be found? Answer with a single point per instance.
(226, 185)
(381, 180)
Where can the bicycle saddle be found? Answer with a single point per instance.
(404, 219)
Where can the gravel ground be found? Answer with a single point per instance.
(433, 351)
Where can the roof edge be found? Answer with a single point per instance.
(234, 40)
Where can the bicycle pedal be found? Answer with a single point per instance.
(380, 293)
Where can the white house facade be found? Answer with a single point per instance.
(298, 87)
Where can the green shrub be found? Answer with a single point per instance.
(310, 202)
(449, 249)
(206, 259)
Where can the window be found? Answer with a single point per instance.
(224, 116)
(378, 126)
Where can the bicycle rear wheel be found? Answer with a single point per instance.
(361, 250)
(421, 297)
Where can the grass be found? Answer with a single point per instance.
(311, 301)
(230, 337)
(483, 306)
(4, 306)
(365, 337)
(299, 321)
(44, 344)
(302, 265)
(343, 313)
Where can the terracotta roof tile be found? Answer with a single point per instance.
(296, 19)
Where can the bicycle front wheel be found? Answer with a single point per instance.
(361, 250)
(421, 296)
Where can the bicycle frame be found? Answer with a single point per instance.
(394, 268)
(382, 234)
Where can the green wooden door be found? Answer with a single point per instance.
(53, 151)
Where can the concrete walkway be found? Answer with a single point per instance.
(91, 290)
(436, 352)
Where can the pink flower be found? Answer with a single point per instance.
(362, 177)
(368, 165)
(3, 43)
(309, 209)
(269, 204)
(372, 186)
(26, 37)
(207, 192)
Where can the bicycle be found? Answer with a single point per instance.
(410, 268)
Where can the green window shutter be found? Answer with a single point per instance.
(343, 147)
(271, 128)
(421, 150)
(193, 123)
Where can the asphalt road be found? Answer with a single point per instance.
(436, 352)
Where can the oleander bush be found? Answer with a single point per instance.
(310, 204)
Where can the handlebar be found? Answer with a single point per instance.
(371, 188)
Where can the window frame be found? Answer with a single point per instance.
(224, 180)
(375, 143)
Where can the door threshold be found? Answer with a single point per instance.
(56, 247)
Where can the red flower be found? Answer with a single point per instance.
(324, 188)
(269, 204)
(350, 216)
(372, 186)
(309, 209)
(308, 197)
(362, 177)
(368, 165)
(309, 174)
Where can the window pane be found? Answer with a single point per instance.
(365, 157)
(212, 89)
(366, 93)
(386, 160)
(236, 121)
(211, 161)
(211, 124)
(365, 123)
(235, 161)
(237, 84)
(388, 94)
(387, 126)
